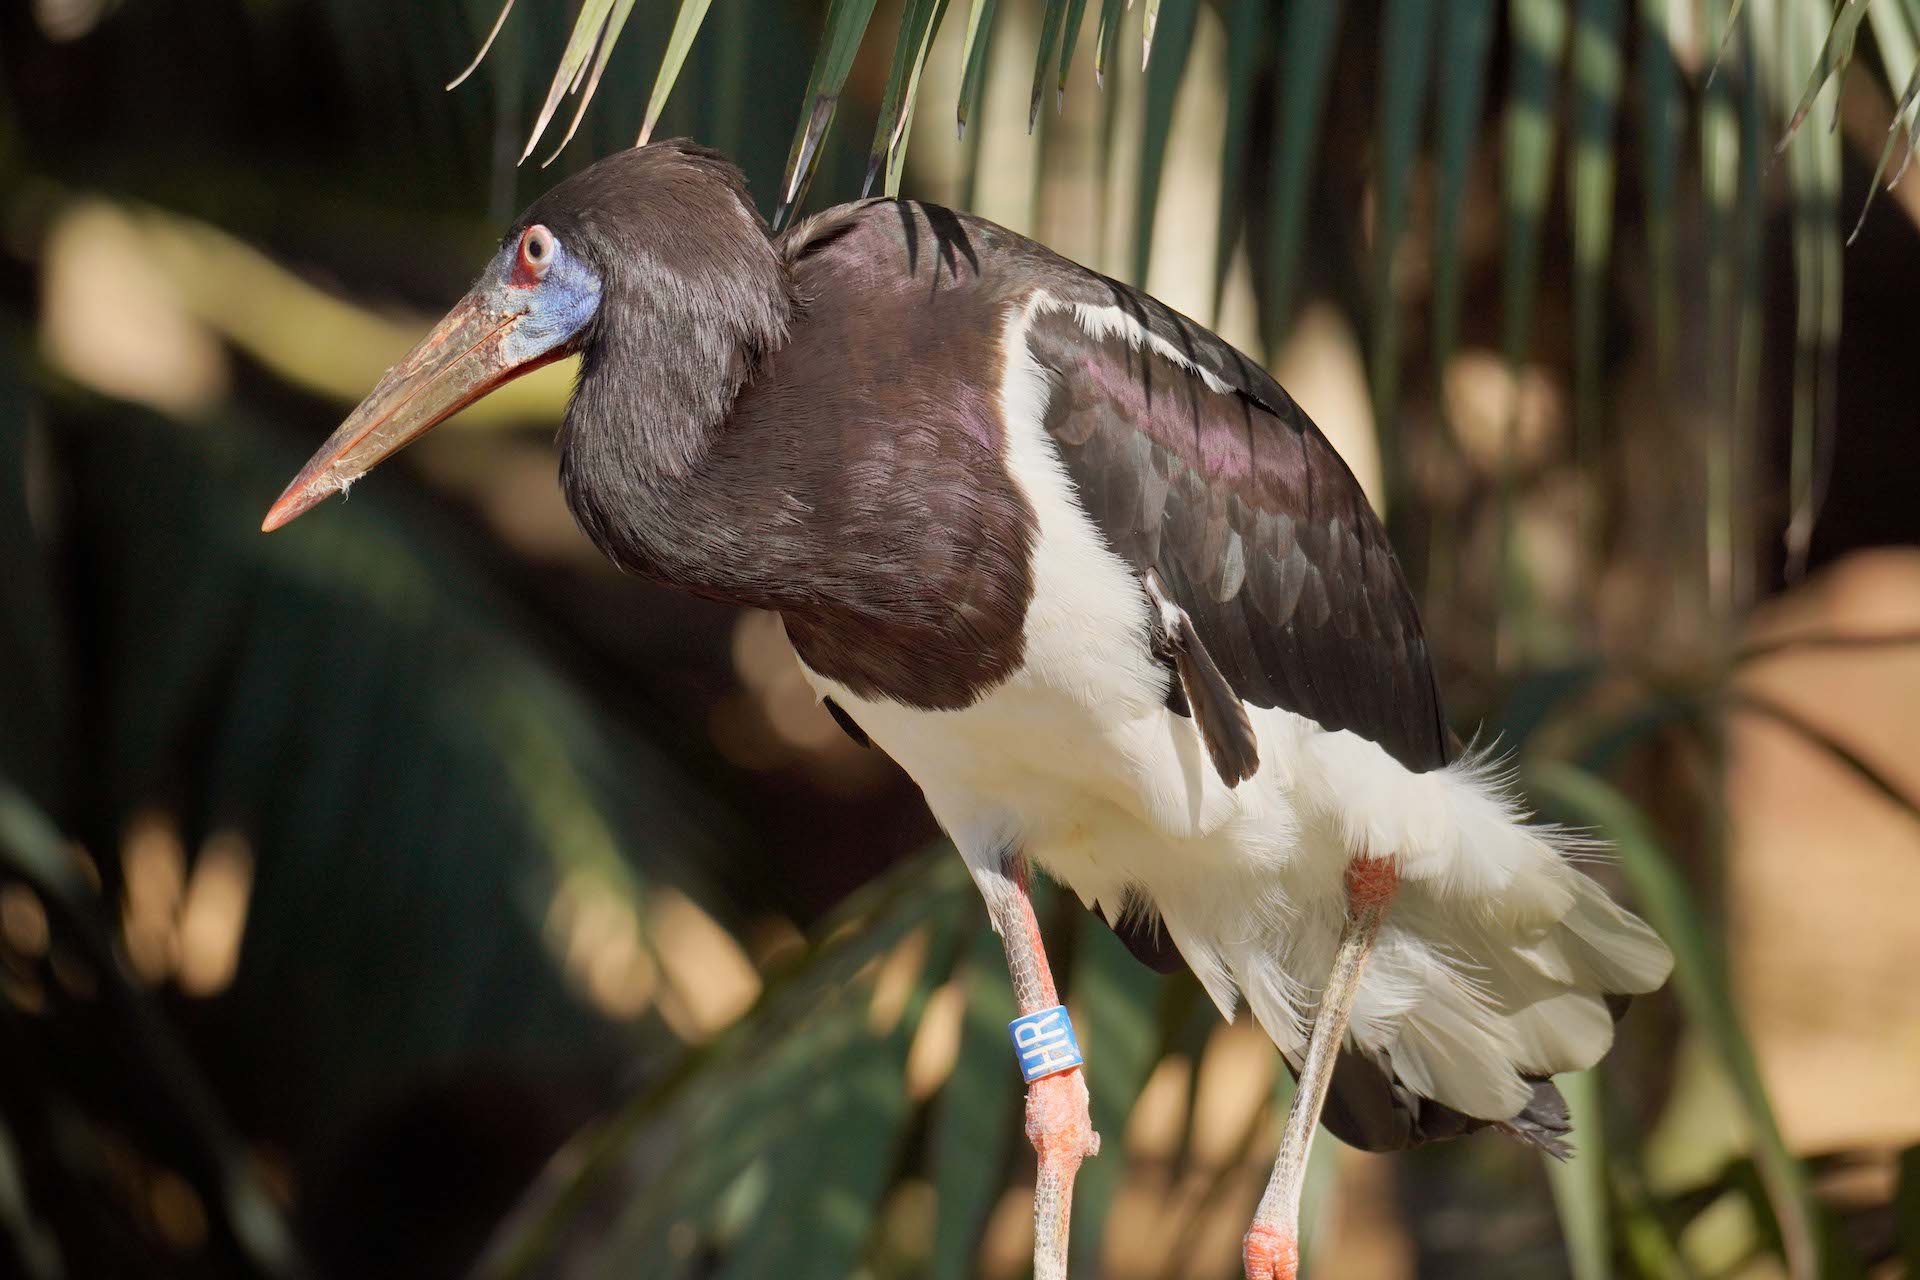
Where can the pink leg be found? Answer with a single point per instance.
(1058, 1121)
(1271, 1249)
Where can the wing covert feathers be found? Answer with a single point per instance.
(1223, 721)
(1194, 463)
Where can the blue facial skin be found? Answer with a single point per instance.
(558, 305)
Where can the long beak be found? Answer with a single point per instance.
(463, 359)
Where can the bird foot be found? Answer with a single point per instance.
(1059, 1121)
(1270, 1255)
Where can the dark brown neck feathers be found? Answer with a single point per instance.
(836, 457)
(694, 300)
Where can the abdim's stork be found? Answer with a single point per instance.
(1096, 582)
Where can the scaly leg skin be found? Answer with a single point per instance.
(1271, 1250)
(1058, 1121)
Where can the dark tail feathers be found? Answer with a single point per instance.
(1371, 1110)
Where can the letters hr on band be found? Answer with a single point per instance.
(1044, 1043)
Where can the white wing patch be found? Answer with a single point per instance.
(1115, 322)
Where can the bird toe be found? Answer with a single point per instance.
(1270, 1254)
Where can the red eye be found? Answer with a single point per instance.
(536, 251)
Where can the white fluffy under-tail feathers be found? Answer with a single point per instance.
(1460, 831)
(1618, 949)
(1497, 955)
(1447, 1051)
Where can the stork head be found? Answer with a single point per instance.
(648, 249)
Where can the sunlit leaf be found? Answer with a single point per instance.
(919, 24)
(973, 76)
(1895, 38)
(1886, 154)
(615, 20)
(897, 158)
(1107, 36)
(1830, 64)
(846, 25)
(974, 143)
(589, 30)
(686, 25)
(1882, 22)
(1700, 981)
(1051, 20)
(492, 34)
(1069, 38)
(1729, 21)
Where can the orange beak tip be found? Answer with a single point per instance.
(300, 497)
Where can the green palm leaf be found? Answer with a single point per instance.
(1308, 32)
(1163, 84)
(686, 25)
(919, 24)
(1405, 57)
(846, 25)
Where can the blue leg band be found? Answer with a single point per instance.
(1044, 1043)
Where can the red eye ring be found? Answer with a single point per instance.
(537, 246)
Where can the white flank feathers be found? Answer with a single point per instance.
(1495, 955)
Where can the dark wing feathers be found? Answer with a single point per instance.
(847, 723)
(1246, 512)
(1205, 694)
(1234, 508)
